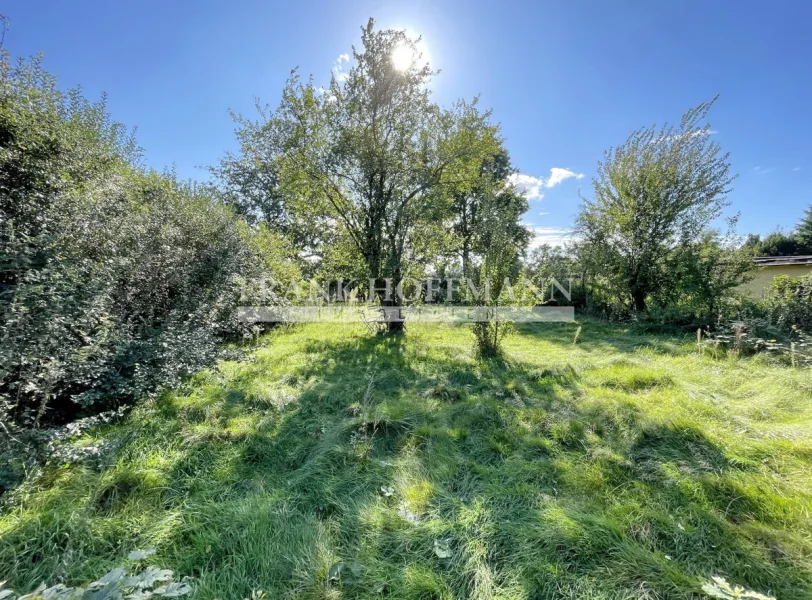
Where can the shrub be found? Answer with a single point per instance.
(789, 303)
(114, 280)
(498, 257)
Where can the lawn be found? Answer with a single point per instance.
(335, 464)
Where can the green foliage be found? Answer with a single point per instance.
(249, 183)
(789, 303)
(749, 337)
(776, 244)
(705, 274)
(586, 462)
(804, 231)
(699, 290)
(113, 280)
(499, 217)
(654, 195)
(467, 208)
(371, 156)
(547, 264)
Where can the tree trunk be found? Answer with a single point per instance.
(394, 323)
(395, 326)
(639, 298)
(639, 288)
(466, 258)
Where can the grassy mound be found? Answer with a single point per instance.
(334, 464)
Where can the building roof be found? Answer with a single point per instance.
(783, 261)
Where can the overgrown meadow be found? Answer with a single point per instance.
(335, 464)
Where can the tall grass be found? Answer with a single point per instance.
(334, 464)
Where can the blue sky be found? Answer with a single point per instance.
(565, 79)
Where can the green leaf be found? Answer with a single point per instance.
(111, 591)
(140, 554)
(150, 576)
(173, 590)
(113, 576)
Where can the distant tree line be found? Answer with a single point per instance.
(796, 243)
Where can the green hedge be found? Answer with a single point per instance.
(114, 280)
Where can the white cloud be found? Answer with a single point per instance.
(557, 175)
(762, 170)
(797, 169)
(529, 185)
(551, 236)
(338, 67)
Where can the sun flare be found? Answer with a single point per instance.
(403, 57)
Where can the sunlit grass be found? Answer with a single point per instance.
(617, 467)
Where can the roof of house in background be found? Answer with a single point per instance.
(783, 261)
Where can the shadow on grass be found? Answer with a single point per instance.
(598, 336)
(386, 449)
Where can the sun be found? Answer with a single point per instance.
(403, 56)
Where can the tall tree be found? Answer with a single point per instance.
(548, 261)
(248, 181)
(804, 232)
(653, 195)
(374, 155)
(467, 201)
(471, 231)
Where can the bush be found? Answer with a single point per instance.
(114, 281)
(789, 303)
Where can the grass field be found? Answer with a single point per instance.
(335, 464)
